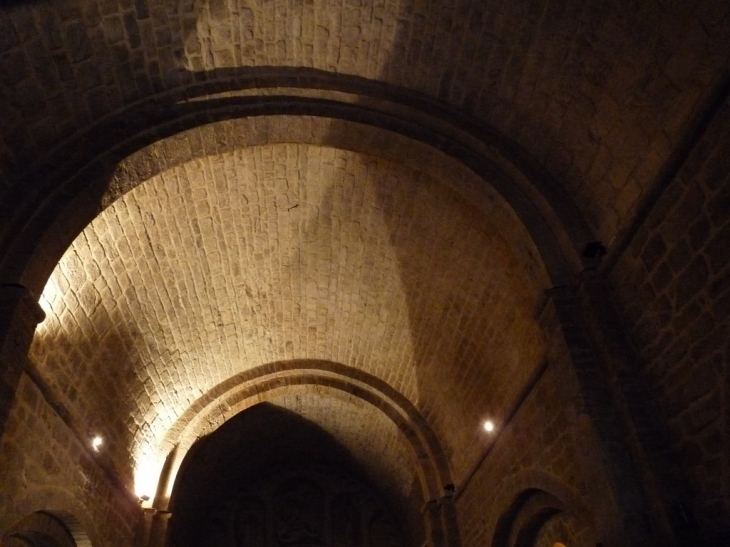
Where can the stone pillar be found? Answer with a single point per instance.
(648, 426)
(431, 512)
(625, 514)
(440, 519)
(19, 316)
(158, 529)
(144, 528)
(448, 520)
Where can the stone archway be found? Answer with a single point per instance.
(266, 383)
(281, 480)
(242, 391)
(149, 137)
(543, 514)
(91, 184)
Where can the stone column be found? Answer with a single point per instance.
(158, 529)
(19, 316)
(159, 516)
(611, 459)
(650, 437)
(448, 520)
(431, 512)
(144, 528)
(440, 520)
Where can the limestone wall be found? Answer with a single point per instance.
(672, 286)
(45, 467)
(546, 446)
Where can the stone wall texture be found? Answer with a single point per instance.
(673, 288)
(547, 445)
(289, 252)
(389, 220)
(44, 466)
(599, 93)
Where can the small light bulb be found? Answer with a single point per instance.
(96, 442)
(489, 426)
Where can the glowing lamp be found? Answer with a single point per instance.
(96, 442)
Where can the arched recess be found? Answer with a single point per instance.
(544, 513)
(258, 385)
(81, 177)
(47, 529)
(527, 520)
(229, 485)
(84, 176)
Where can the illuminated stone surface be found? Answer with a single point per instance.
(351, 210)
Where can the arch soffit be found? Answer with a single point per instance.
(257, 385)
(78, 179)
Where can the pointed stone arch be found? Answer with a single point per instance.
(248, 388)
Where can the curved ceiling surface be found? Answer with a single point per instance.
(292, 251)
(598, 93)
(347, 246)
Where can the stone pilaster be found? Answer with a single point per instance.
(440, 520)
(448, 521)
(626, 513)
(19, 316)
(434, 526)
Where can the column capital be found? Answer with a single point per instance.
(14, 295)
(20, 313)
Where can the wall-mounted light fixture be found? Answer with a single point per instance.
(146, 476)
(96, 442)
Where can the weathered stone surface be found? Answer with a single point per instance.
(45, 467)
(600, 109)
(250, 241)
(686, 350)
(291, 252)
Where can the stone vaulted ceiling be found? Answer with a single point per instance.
(353, 183)
(290, 251)
(598, 92)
